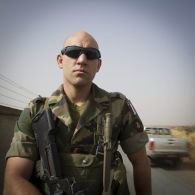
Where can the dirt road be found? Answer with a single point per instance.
(167, 180)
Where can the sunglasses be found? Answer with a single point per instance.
(75, 51)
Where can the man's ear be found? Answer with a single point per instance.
(59, 61)
(99, 64)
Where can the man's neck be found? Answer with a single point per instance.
(77, 95)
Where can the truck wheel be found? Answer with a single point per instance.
(151, 162)
(177, 162)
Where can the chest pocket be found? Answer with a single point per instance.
(89, 137)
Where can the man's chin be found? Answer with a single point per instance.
(82, 84)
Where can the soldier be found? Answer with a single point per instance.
(79, 107)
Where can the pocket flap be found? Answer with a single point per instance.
(79, 160)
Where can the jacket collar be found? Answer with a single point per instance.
(98, 101)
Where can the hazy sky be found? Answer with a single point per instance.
(148, 51)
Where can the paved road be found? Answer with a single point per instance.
(167, 180)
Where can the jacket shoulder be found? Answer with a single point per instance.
(39, 99)
(37, 105)
(117, 95)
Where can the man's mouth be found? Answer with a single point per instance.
(80, 71)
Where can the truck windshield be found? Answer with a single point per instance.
(158, 131)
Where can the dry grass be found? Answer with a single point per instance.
(187, 132)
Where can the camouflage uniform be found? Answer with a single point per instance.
(77, 148)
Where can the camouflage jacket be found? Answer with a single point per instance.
(127, 129)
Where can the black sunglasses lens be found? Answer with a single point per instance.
(91, 54)
(73, 52)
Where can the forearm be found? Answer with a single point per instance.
(141, 172)
(17, 174)
(19, 186)
(142, 180)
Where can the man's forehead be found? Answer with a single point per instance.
(81, 39)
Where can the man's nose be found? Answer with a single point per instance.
(82, 58)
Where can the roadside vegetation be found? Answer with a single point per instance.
(187, 132)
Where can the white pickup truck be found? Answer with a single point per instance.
(163, 146)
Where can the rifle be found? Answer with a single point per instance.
(107, 154)
(43, 125)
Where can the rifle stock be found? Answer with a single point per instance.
(44, 129)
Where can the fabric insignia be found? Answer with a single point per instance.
(138, 126)
(131, 107)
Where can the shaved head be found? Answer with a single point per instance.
(82, 39)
